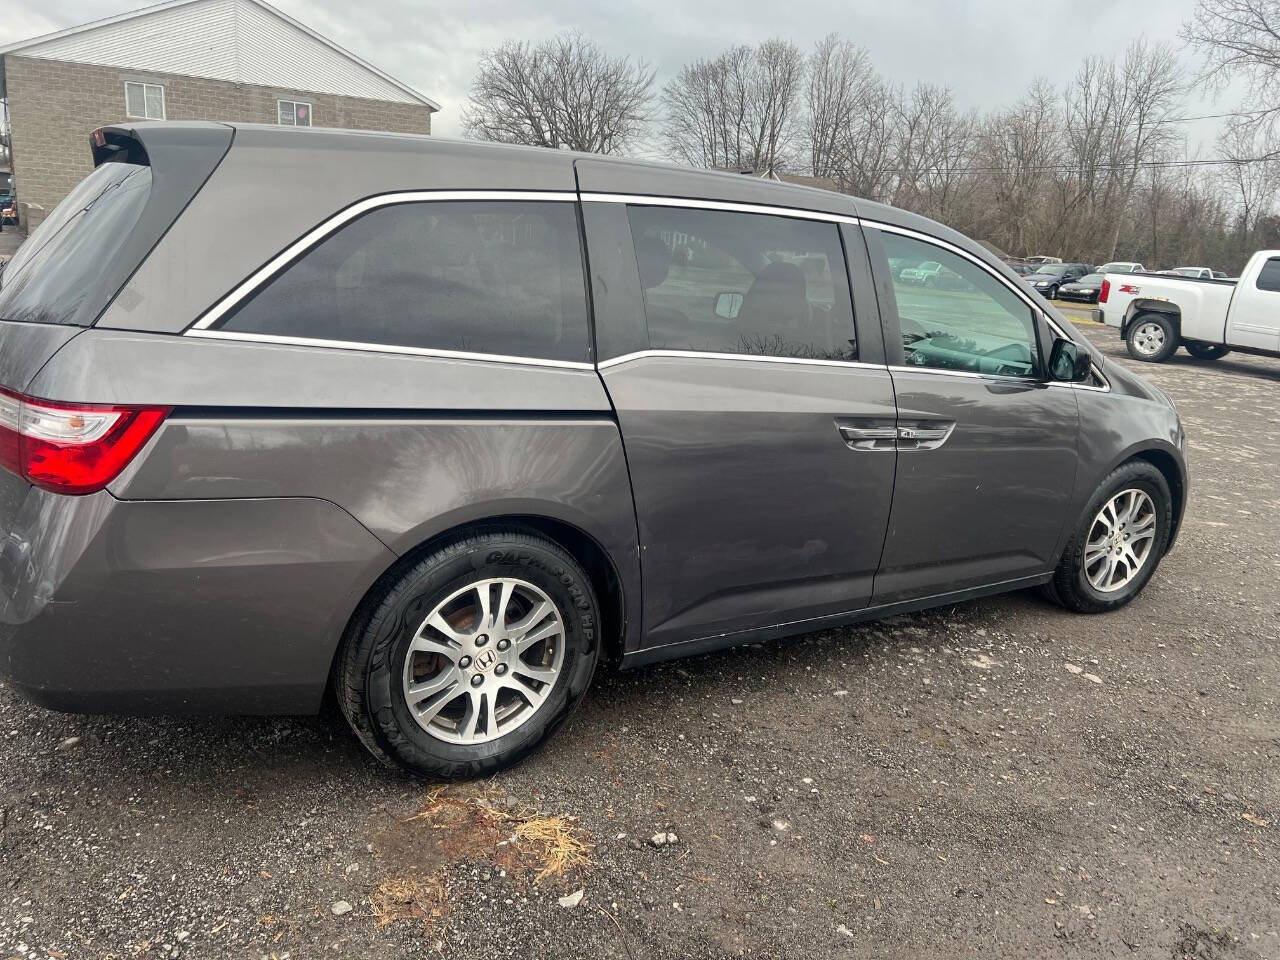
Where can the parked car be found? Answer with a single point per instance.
(8, 209)
(1021, 267)
(382, 442)
(1037, 260)
(1121, 266)
(1201, 273)
(925, 274)
(1208, 317)
(1049, 278)
(1084, 290)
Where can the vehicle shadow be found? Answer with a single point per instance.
(275, 757)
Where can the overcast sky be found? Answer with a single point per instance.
(987, 51)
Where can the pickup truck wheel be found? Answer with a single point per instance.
(463, 663)
(1118, 541)
(1206, 351)
(1151, 338)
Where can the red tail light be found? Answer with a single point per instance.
(71, 448)
(1105, 291)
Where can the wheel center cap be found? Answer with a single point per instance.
(485, 660)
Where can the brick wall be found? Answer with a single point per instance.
(54, 105)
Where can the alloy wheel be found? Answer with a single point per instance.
(1120, 540)
(484, 660)
(1148, 338)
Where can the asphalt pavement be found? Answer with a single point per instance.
(992, 779)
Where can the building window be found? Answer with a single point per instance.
(294, 113)
(144, 101)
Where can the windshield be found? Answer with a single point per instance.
(1052, 269)
(60, 265)
(1089, 278)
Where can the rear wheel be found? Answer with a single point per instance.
(1206, 351)
(1151, 338)
(1118, 541)
(1051, 293)
(465, 662)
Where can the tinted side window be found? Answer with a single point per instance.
(497, 277)
(1269, 277)
(962, 318)
(725, 282)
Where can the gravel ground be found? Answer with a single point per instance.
(997, 778)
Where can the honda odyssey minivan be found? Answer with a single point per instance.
(439, 426)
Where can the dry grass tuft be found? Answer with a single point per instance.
(407, 898)
(563, 845)
(432, 806)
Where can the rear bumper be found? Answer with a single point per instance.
(227, 606)
(1099, 315)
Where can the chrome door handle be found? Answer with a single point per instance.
(867, 437)
(924, 435)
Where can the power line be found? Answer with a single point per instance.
(1214, 116)
(1142, 165)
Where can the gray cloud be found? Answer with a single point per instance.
(987, 51)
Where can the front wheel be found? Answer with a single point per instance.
(1206, 351)
(1118, 541)
(1151, 338)
(466, 661)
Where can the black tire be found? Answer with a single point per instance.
(370, 667)
(1205, 351)
(1136, 333)
(1051, 293)
(1070, 586)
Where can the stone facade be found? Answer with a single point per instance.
(54, 105)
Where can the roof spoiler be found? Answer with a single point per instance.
(181, 156)
(117, 144)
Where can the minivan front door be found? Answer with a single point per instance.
(987, 455)
(760, 446)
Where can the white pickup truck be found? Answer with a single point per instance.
(1158, 313)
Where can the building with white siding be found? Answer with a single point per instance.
(236, 60)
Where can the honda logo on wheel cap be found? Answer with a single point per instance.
(485, 660)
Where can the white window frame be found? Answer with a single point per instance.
(295, 104)
(145, 86)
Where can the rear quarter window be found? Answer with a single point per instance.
(1269, 276)
(487, 276)
(67, 258)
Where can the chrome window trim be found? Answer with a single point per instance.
(385, 348)
(1003, 378)
(709, 355)
(345, 216)
(728, 206)
(969, 374)
(1021, 294)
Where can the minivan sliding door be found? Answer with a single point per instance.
(759, 444)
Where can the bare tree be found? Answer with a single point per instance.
(738, 110)
(1240, 37)
(868, 149)
(563, 92)
(1252, 184)
(839, 74)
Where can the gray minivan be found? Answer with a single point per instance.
(440, 425)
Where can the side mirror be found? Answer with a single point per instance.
(1069, 363)
(728, 305)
